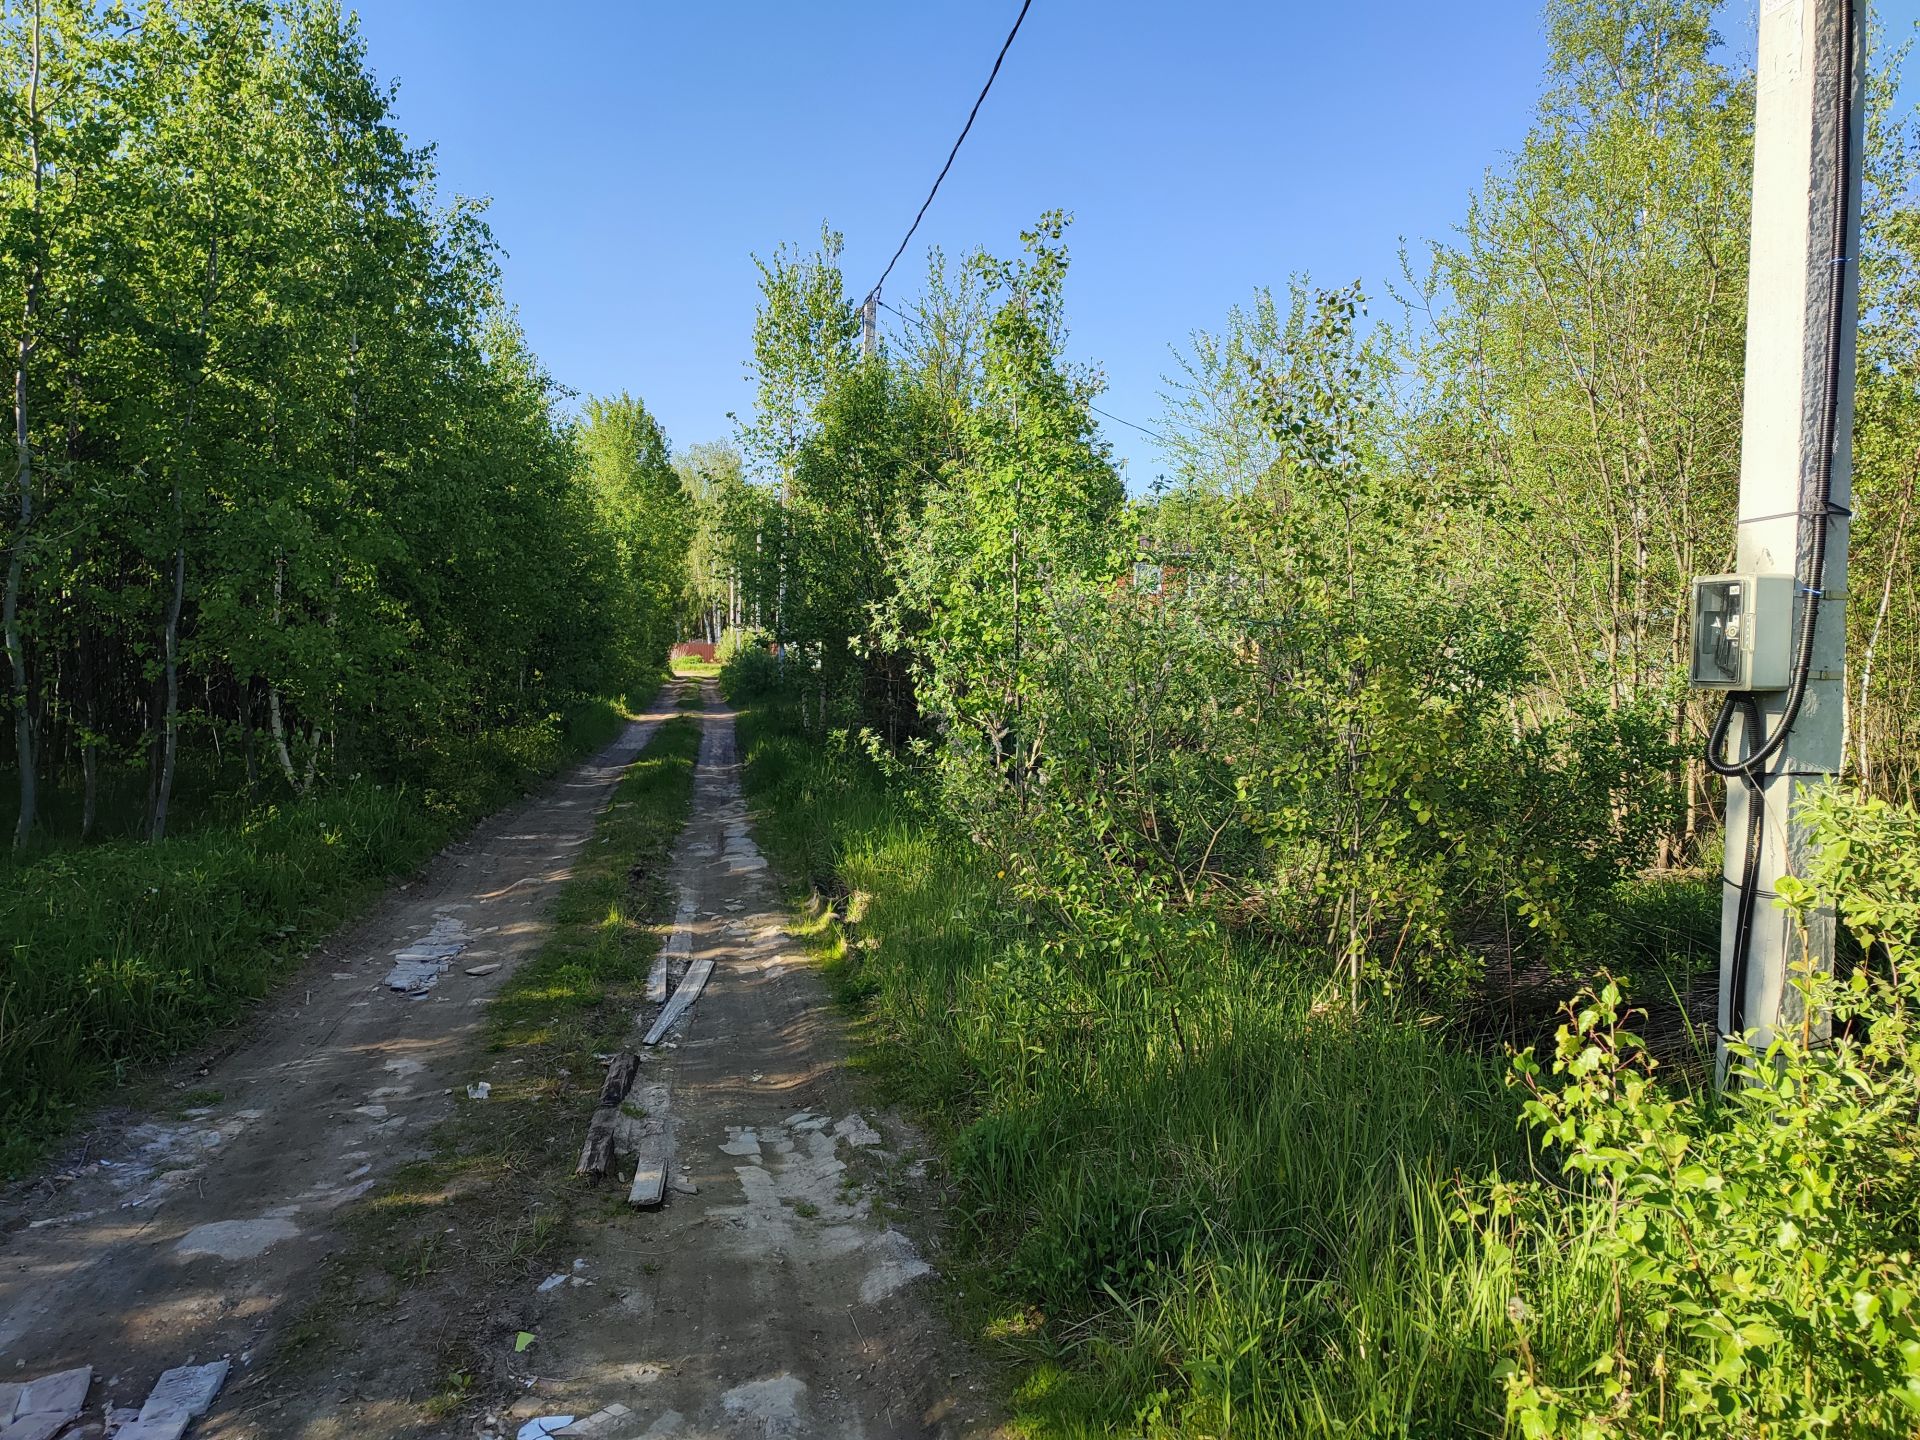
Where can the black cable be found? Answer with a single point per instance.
(1747, 769)
(1008, 45)
(1150, 434)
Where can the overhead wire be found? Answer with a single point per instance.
(971, 114)
(916, 321)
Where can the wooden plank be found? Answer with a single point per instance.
(596, 1154)
(679, 942)
(653, 1155)
(688, 991)
(620, 1073)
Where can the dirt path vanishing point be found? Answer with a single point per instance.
(767, 1298)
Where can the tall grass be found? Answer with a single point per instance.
(1203, 1202)
(120, 953)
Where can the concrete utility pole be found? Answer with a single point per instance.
(1795, 477)
(870, 325)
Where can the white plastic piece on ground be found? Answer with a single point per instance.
(552, 1282)
(542, 1425)
(479, 1090)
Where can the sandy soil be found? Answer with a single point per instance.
(769, 1296)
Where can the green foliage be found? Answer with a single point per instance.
(647, 517)
(1216, 1200)
(1756, 1249)
(125, 952)
(293, 493)
(749, 670)
(1213, 1202)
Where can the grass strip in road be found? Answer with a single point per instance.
(433, 1251)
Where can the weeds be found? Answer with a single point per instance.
(122, 953)
(1200, 1196)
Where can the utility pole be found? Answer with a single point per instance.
(1795, 494)
(870, 324)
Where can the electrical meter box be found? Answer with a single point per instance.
(1742, 632)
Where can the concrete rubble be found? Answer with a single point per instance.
(419, 966)
(178, 1398)
(44, 1408)
(40, 1409)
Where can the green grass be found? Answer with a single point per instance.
(121, 953)
(1203, 1204)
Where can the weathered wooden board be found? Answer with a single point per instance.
(688, 991)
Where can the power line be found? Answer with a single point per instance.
(915, 320)
(1151, 434)
(953, 152)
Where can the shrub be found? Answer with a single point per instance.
(749, 672)
(1756, 1248)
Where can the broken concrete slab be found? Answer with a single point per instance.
(236, 1239)
(164, 1427)
(856, 1132)
(35, 1427)
(597, 1425)
(62, 1393)
(187, 1390)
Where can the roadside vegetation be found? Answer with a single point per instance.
(306, 562)
(1288, 891)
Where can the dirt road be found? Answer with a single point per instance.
(767, 1298)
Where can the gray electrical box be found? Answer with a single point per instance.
(1742, 632)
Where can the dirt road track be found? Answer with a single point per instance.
(769, 1298)
(172, 1238)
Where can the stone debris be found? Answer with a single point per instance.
(552, 1282)
(39, 1409)
(479, 1090)
(236, 1239)
(418, 967)
(542, 1425)
(771, 1405)
(483, 969)
(599, 1424)
(856, 1132)
(178, 1398)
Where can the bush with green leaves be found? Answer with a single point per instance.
(1755, 1253)
(749, 671)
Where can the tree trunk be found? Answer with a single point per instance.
(1879, 623)
(21, 694)
(170, 639)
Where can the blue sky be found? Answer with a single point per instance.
(637, 154)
